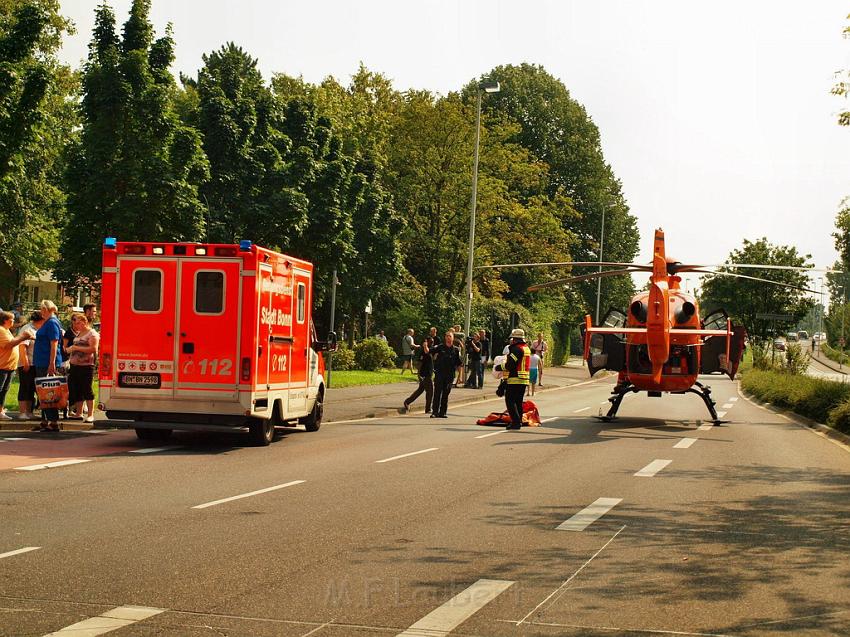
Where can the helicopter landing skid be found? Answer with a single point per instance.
(704, 392)
(619, 392)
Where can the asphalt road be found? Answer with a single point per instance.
(418, 526)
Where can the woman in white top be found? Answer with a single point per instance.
(540, 347)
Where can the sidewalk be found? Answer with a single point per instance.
(375, 401)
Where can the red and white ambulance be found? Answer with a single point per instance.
(208, 337)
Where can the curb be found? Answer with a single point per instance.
(824, 430)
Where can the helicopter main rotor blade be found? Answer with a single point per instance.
(692, 268)
(581, 277)
(637, 266)
(755, 278)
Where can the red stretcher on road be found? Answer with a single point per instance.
(530, 417)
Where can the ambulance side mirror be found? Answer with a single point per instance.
(326, 346)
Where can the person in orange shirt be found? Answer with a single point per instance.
(8, 357)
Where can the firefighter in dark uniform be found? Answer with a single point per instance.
(446, 365)
(517, 367)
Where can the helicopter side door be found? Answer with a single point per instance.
(607, 351)
(713, 356)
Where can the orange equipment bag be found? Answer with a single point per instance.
(530, 417)
(52, 392)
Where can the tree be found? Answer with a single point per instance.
(253, 190)
(744, 299)
(557, 130)
(36, 122)
(136, 169)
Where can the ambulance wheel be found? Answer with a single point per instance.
(161, 435)
(314, 420)
(261, 432)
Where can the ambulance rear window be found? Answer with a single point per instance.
(147, 291)
(302, 302)
(209, 292)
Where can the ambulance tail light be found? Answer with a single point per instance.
(225, 252)
(134, 249)
(106, 363)
(246, 369)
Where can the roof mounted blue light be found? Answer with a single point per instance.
(110, 242)
(245, 245)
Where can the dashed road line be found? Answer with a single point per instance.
(652, 468)
(108, 621)
(26, 549)
(492, 433)
(706, 427)
(578, 411)
(587, 516)
(458, 609)
(14, 439)
(52, 465)
(734, 399)
(406, 455)
(684, 443)
(721, 414)
(248, 495)
(154, 449)
(549, 419)
(728, 406)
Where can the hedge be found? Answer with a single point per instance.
(822, 400)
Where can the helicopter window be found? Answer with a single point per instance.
(596, 344)
(614, 318)
(716, 320)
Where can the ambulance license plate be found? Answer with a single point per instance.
(134, 379)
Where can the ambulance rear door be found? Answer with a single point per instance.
(300, 342)
(145, 323)
(208, 328)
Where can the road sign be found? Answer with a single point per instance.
(775, 317)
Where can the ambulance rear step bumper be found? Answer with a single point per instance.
(178, 426)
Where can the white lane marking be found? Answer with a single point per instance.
(441, 621)
(493, 433)
(706, 427)
(154, 449)
(562, 587)
(407, 455)
(581, 410)
(684, 443)
(720, 414)
(587, 516)
(108, 621)
(728, 406)
(248, 495)
(13, 439)
(604, 402)
(51, 465)
(26, 549)
(734, 399)
(652, 468)
(549, 419)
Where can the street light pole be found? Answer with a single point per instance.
(820, 313)
(485, 87)
(599, 279)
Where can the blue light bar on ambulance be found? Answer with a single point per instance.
(245, 245)
(110, 242)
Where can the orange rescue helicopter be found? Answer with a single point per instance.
(661, 344)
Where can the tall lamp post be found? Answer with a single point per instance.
(820, 314)
(487, 86)
(599, 279)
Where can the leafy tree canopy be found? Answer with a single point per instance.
(744, 299)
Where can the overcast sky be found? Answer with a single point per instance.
(716, 116)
